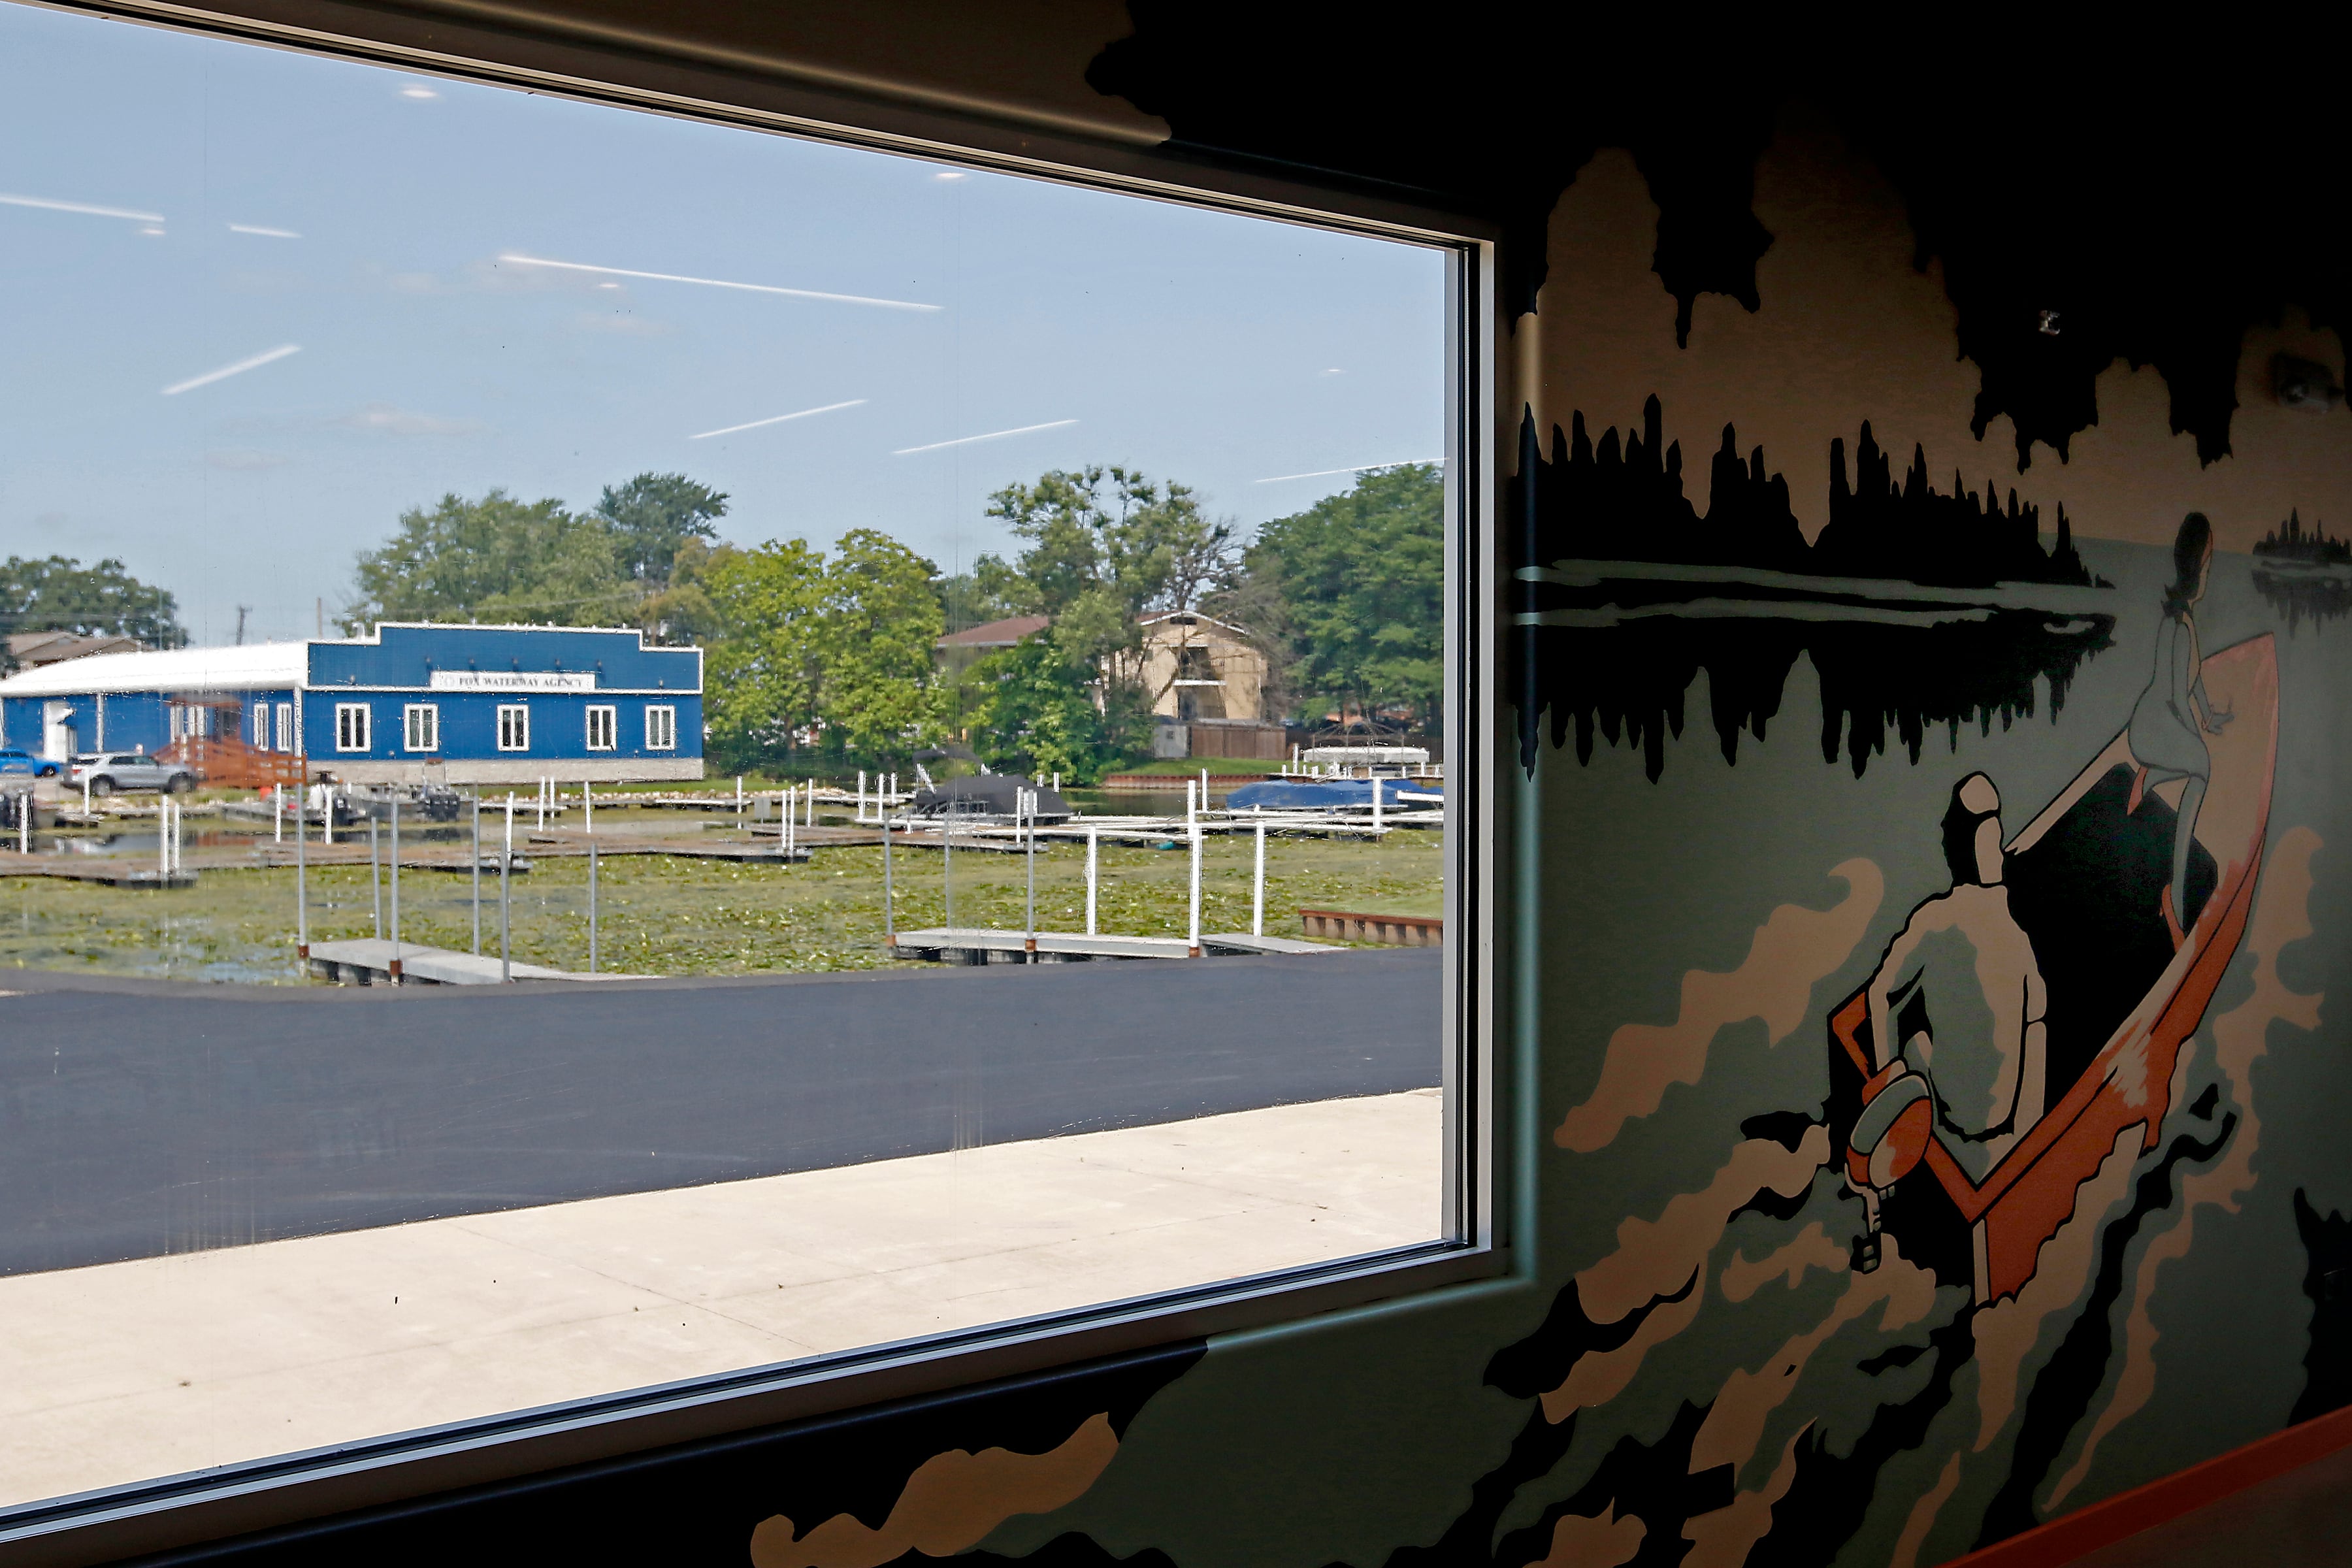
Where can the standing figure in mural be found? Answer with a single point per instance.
(1956, 1011)
(2173, 717)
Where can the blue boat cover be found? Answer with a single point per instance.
(1331, 794)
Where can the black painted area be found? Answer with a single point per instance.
(1832, 1493)
(140, 1119)
(2160, 190)
(698, 1504)
(1786, 1128)
(2060, 1394)
(1539, 1445)
(2087, 894)
(2327, 1280)
(1621, 648)
(1649, 1481)
(1541, 1361)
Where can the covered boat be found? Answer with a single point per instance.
(2083, 879)
(1336, 795)
(989, 799)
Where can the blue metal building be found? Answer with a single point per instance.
(457, 704)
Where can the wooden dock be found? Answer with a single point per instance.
(374, 961)
(973, 944)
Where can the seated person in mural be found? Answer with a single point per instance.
(2173, 717)
(1956, 1025)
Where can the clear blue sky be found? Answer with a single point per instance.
(1218, 350)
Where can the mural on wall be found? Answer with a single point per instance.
(1915, 607)
(2304, 573)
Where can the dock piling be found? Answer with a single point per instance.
(395, 888)
(592, 905)
(302, 888)
(1094, 861)
(375, 880)
(1192, 924)
(1026, 812)
(889, 928)
(478, 870)
(506, 902)
(1257, 885)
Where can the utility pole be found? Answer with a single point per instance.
(242, 611)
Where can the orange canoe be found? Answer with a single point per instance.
(2083, 879)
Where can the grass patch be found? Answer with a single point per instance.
(669, 915)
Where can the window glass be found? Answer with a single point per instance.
(812, 498)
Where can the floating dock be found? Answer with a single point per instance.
(968, 945)
(368, 961)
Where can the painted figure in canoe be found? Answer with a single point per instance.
(2174, 715)
(1960, 1041)
(2024, 1021)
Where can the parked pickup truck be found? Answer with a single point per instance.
(108, 772)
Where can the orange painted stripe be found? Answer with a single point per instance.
(2086, 1530)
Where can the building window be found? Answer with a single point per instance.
(261, 726)
(661, 729)
(514, 727)
(350, 726)
(602, 728)
(285, 726)
(421, 727)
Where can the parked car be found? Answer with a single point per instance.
(108, 772)
(16, 763)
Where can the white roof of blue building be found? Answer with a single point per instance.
(254, 667)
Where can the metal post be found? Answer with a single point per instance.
(375, 880)
(327, 792)
(1093, 848)
(889, 928)
(395, 889)
(1376, 802)
(812, 802)
(785, 827)
(1029, 943)
(1204, 789)
(478, 870)
(505, 868)
(1192, 943)
(947, 863)
(592, 905)
(739, 801)
(861, 795)
(1191, 817)
(301, 886)
(588, 806)
(277, 814)
(1257, 887)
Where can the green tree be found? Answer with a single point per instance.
(1038, 712)
(1361, 580)
(1104, 545)
(879, 692)
(496, 559)
(654, 516)
(762, 671)
(54, 593)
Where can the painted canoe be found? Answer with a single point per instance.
(2083, 879)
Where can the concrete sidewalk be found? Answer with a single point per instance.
(127, 1372)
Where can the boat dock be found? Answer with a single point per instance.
(966, 944)
(370, 961)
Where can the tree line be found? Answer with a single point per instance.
(818, 658)
(55, 594)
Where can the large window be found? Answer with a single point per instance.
(421, 727)
(1032, 597)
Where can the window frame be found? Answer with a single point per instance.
(519, 715)
(1486, 1046)
(285, 728)
(664, 738)
(364, 712)
(430, 715)
(611, 715)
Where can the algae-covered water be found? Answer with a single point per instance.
(674, 916)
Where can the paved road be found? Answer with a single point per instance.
(140, 1117)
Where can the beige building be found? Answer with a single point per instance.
(1196, 667)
